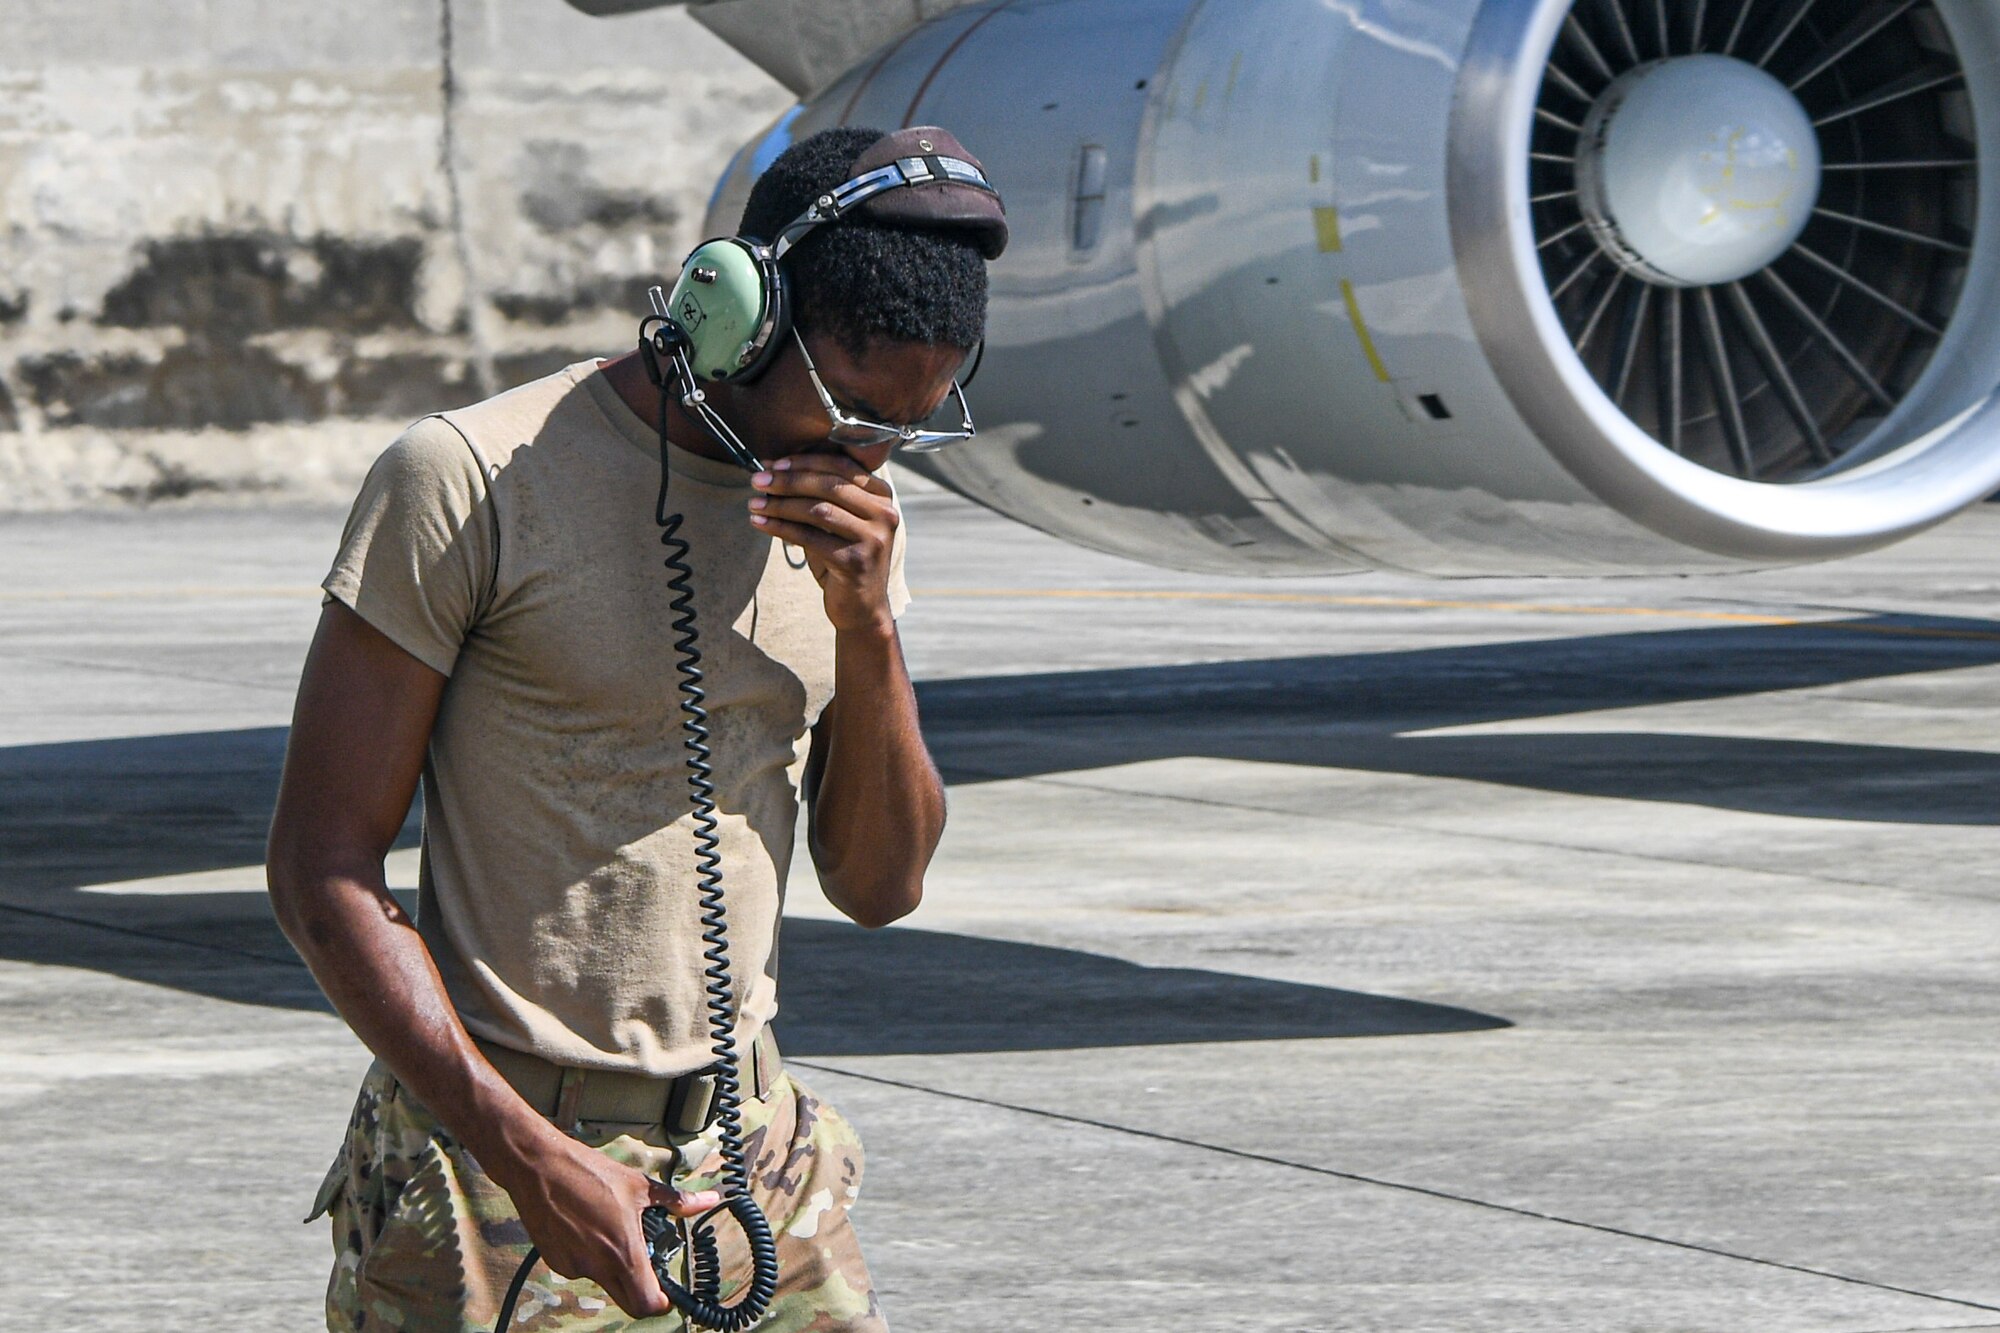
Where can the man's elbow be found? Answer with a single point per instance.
(313, 884)
(289, 871)
(879, 905)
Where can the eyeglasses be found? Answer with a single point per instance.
(858, 431)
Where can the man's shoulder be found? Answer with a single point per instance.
(458, 453)
(496, 428)
(429, 459)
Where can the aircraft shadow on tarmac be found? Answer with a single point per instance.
(1355, 712)
(89, 813)
(849, 991)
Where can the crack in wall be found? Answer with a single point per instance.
(320, 224)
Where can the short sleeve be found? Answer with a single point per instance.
(899, 588)
(416, 558)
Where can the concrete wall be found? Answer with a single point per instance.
(230, 263)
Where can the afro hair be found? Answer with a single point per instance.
(859, 281)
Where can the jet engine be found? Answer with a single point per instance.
(1521, 286)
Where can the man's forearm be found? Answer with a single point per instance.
(359, 735)
(878, 804)
(578, 1206)
(368, 958)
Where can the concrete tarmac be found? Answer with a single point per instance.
(1373, 954)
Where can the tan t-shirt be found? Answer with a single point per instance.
(512, 546)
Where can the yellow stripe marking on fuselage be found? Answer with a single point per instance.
(1361, 330)
(1326, 225)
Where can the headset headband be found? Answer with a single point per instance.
(931, 169)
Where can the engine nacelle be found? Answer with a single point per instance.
(1469, 288)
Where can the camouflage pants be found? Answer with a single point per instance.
(424, 1242)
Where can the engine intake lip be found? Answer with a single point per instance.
(1936, 451)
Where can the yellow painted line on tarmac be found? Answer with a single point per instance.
(170, 594)
(1163, 595)
(1329, 599)
(1453, 604)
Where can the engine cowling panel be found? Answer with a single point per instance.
(1279, 298)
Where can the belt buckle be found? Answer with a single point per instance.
(691, 1105)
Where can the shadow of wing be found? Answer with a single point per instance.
(849, 992)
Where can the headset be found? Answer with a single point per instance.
(731, 309)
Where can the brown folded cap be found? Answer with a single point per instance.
(944, 205)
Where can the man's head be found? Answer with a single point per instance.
(889, 312)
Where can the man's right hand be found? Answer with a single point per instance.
(359, 737)
(582, 1210)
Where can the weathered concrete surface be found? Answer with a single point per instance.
(1354, 955)
(239, 218)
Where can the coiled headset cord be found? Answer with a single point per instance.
(701, 1299)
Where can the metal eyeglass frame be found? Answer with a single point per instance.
(906, 437)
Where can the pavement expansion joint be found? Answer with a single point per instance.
(148, 593)
(1354, 1177)
(151, 935)
(151, 673)
(1429, 831)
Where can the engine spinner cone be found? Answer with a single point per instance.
(1698, 170)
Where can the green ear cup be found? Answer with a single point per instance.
(726, 303)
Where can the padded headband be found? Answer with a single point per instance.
(921, 178)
